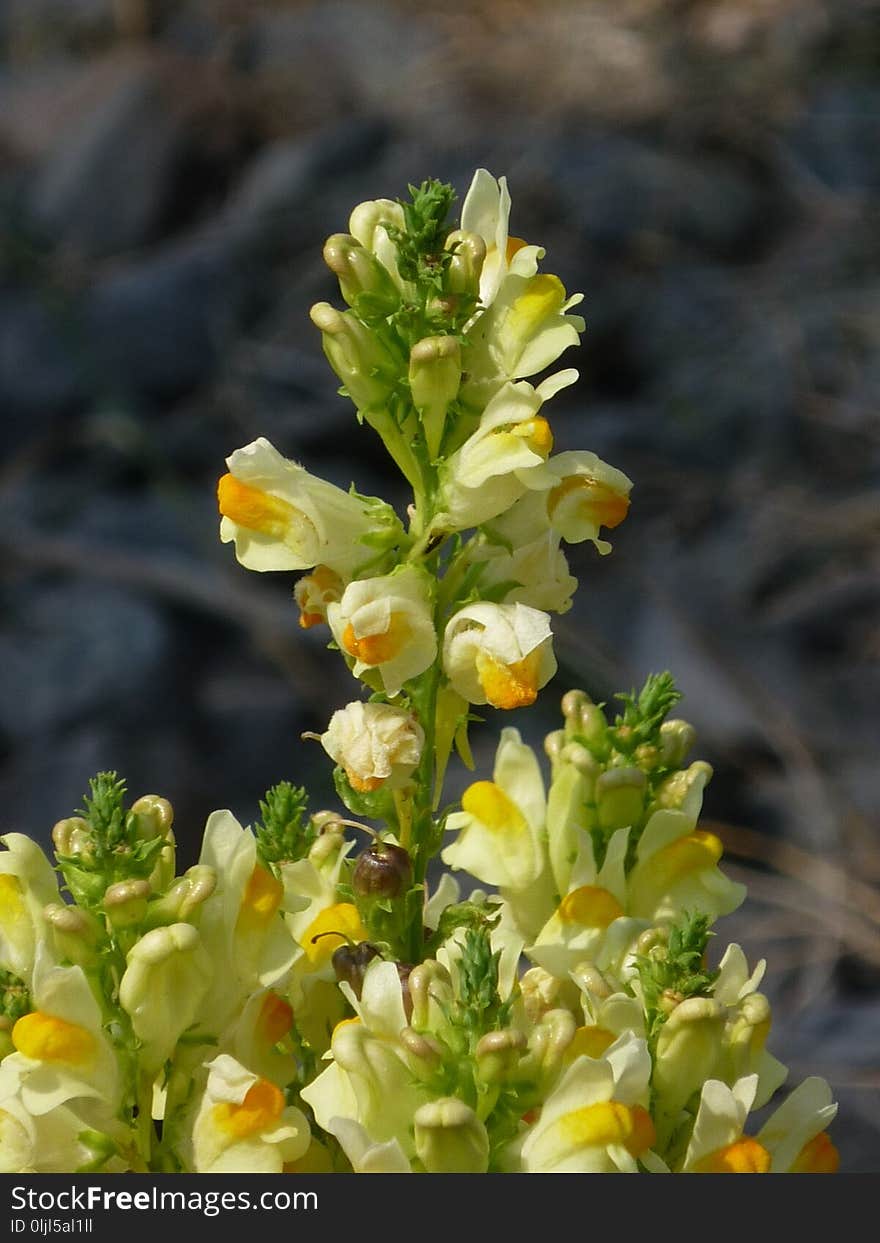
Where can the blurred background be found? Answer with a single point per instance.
(706, 171)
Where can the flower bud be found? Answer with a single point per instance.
(428, 982)
(469, 255)
(126, 902)
(583, 718)
(180, 903)
(676, 740)
(72, 837)
(540, 992)
(620, 798)
(355, 355)
(425, 1053)
(382, 871)
(330, 840)
(434, 377)
(553, 746)
(549, 1041)
(588, 977)
(688, 1050)
(450, 1138)
(360, 273)
(155, 817)
(498, 1054)
(74, 931)
(678, 787)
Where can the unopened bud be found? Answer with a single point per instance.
(498, 1054)
(680, 787)
(549, 1040)
(466, 264)
(434, 378)
(155, 816)
(425, 1053)
(360, 273)
(583, 718)
(620, 798)
(181, 902)
(74, 931)
(429, 981)
(450, 1138)
(354, 354)
(588, 977)
(553, 745)
(73, 837)
(382, 871)
(126, 902)
(676, 740)
(329, 842)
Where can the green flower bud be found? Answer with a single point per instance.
(72, 837)
(126, 902)
(675, 790)
(583, 719)
(450, 1138)
(588, 977)
(181, 902)
(548, 1042)
(466, 264)
(553, 746)
(382, 871)
(355, 354)
(620, 798)
(360, 273)
(498, 1054)
(155, 816)
(425, 1053)
(434, 378)
(429, 985)
(75, 933)
(676, 740)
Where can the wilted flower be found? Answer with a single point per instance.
(375, 743)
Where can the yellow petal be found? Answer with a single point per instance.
(261, 1107)
(275, 1019)
(589, 1041)
(256, 510)
(262, 898)
(487, 802)
(335, 925)
(377, 649)
(746, 1156)
(819, 1156)
(46, 1038)
(609, 1122)
(589, 500)
(509, 686)
(590, 906)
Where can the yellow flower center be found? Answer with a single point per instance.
(275, 1019)
(46, 1038)
(590, 906)
(819, 1156)
(12, 908)
(377, 649)
(314, 592)
(745, 1156)
(260, 1109)
(363, 785)
(509, 686)
(537, 435)
(487, 802)
(262, 898)
(256, 510)
(341, 923)
(609, 1122)
(592, 1041)
(544, 296)
(693, 853)
(513, 245)
(582, 496)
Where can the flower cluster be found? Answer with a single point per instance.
(297, 1003)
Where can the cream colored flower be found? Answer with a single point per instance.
(166, 979)
(27, 885)
(243, 1125)
(486, 212)
(65, 1140)
(499, 461)
(596, 1120)
(369, 223)
(792, 1141)
(536, 574)
(62, 1051)
(500, 827)
(387, 624)
(280, 517)
(501, 654)
(375, 743)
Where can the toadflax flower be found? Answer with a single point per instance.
(486, 212)
(501, 654)
(27, 885)
(375, 743)
(387, 624)
(280, 517)
(167, 977)
(243, 1125)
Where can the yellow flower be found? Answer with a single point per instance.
(27, 885)
(387, 624)
(167, 977)
(243, 1125)
(280, 517)
(501, 654)
(314, 592)
(486, 212)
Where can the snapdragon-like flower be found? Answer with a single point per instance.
(167, 977)
(596, 1120)
(499, 461)
(387, 624)
(536, 574)
(486, 212)
(375, 743)
(792, 1141)
(280, 517)
(81, 1137)
(243, 1125)
(62, 1049)
(27, 886)
(501, 654)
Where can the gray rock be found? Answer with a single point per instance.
(103, 187)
